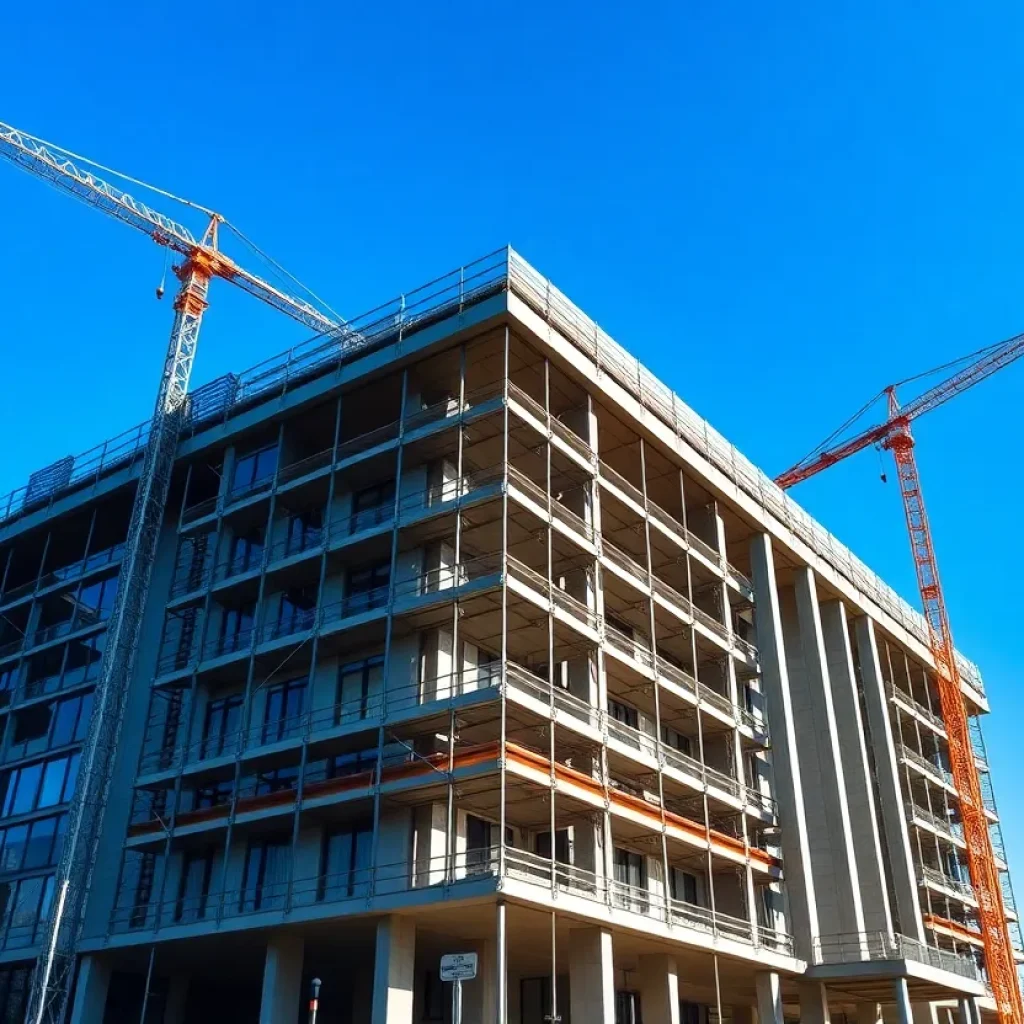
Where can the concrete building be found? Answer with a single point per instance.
(471, 637)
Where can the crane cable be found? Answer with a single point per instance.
(185, 202)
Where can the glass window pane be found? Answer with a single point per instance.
(64, 722)
(27, 784)
(69, 785)
(14, 848)
(52, 789)
(40, 843)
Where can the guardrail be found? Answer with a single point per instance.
(857, 947)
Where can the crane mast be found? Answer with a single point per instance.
(895, 435)
(54, 973)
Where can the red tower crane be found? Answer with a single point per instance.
(894, 435)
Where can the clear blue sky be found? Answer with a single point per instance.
(779, 209)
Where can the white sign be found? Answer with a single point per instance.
(458, 967)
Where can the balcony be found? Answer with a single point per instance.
(53, 578)
(858, 947)
(343, 717)
(572, 881)
(947, 883)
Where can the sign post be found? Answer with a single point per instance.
(457, 968)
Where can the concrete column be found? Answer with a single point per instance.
(769, 998)
(788, 787)
(394, 970)
(860, 796)
(282, 979)
(925, 1013)
(659, 989)
(501, 1000)
(90, 991)
(836, 885)
(813, 1003)
(591, 976)
(901, 995)
(177, 997)
(895, 835)
(869, 1013)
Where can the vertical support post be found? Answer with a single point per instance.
(502, 823)
(501, 965)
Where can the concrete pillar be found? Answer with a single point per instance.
(813, 1003)
(788, 788)
(860, 796)
(901, 995)
(769, 997)
(282, 979)
(177, 997)
(90, 990)
(591, 976)
(836, 885)
(895, 835)
(869, 1013)
(501, 1000)
(659, 989)
(394, 970)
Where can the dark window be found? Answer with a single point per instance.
(42, 784)
(25, 905)
(367, 588)
(304, 530)
(296, 611)
(96, 601)
(276, 779)
(246, 552)
(15, 984)
(561, 845)
(675, 740)
(346, 862)
(216, 794)
(266, 874)
(222, 724)
(682, 885)
(631, 878)
(372, 506)
(8, 682)
(194, 887)
(44, 841)
(624, 713)
(437, 997)
(254, 469)
(478, 845)
(236, 629)
(356, 681)
(627, 1008)
(281, 717)
(689, 1013)
(342, 765)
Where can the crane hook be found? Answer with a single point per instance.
(163, 277)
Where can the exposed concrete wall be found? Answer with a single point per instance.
(830, 841)
(789, 788)
(591, 976)
(860, 794)
(394, 971)
(659, 989)
(282, 979)
(898, 858)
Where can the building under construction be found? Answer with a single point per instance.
(473, 637)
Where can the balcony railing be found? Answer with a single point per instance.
(926, 765)
(64, 574)
(940, 878)
(952, 829)
(366, 711)
(858, 947)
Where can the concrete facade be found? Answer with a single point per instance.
(458, 644)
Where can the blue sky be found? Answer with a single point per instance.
(778, 209)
